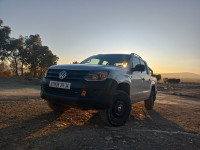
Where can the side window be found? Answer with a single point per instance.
(143, 63)
(105, 62)
(136, 62)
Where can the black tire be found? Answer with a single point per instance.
(149, 103)
(119, 111)
(57, 107)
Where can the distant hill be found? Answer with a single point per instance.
(184, 76)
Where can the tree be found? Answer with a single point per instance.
(40, 58)
(32, 40)
(171, 80)
(4, 69)
(4, 39)
(37, 56)
(11, 48)
(158, 76)
(25, 51)
(32, 44)
(75, 62)
(13, 52)
(47, 58)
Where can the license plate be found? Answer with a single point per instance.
(62, 85)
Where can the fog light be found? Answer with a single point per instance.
(83, 93)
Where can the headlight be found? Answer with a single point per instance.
(96, 76)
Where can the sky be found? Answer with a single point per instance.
(164, 33)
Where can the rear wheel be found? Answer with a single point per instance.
(57, 107)
(119, 111)
(149, 103)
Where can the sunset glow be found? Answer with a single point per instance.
(165, 33)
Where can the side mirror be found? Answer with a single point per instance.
(151, 71)
(139, 67)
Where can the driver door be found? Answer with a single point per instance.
(136, 83)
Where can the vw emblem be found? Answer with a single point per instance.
(62, 74)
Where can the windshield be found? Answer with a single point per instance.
(108, 59)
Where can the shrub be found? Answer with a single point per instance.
(4, 70)
(171, 80)
(158, 76)
(165, 80)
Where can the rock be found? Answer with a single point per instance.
(137, 123)
(2, 143)
(130, 136)
(23, 126)
(108, 138)
(106, 127)
(114, 131)
(124, 141)
(118, 136)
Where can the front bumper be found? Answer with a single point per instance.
(98, 93)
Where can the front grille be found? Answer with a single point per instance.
(62, 92)
(71, 74)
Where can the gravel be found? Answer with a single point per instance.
(26, 122)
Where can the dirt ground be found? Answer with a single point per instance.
(26, 122)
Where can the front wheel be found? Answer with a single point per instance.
(119, 111)
(149, 103)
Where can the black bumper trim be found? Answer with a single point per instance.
(101, 98)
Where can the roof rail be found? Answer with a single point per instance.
(136, 55)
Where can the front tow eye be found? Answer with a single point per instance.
(83, 93)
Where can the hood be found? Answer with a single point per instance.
(85, 67)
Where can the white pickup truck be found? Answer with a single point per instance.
(108, 82)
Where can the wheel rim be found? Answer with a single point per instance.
(118, 108)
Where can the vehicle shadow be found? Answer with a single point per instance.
(152, 120)
(19, 131)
